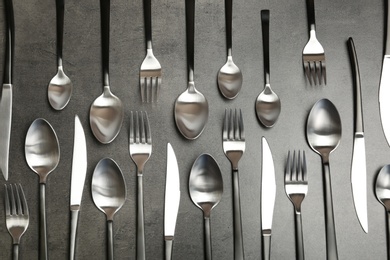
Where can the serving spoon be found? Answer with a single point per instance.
(42, 154)
(60, 87)
(229, 76)
(323, 132)
(191, 107)
(108, 194)
(267, 103)
(206, 188)
(106, 113)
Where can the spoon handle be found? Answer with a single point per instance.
(110, 240)
(331, 245)
(190, 31)
(42, 230)
(207, 238)
(228, 21)
(148, 23)
(9, 45)
(265, 31)
(140, 220)
(60, 7)
(238, 240)
(105, 26)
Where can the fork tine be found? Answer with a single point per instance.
(307, 71)
(225, 126)
(23, 201)
(136, 128)
(318, 73)
(294, 168)
(18, 200)
(142, 136)
(148, 133)
(313, 72)
(287, 172)
(231, 126)
(6, 201)
(323, 66)
(142, 88)
(241, 126)
(158, 87)
(299, 167)
(304, 167)
(235, 125)
(148, 89)
(13, 204)
(131, 135)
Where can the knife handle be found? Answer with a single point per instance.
(238, 240)
(266, 244)
(74, 216)
(207, 240)
(140, 220)
(9, 45)
(168, 248)
(42, 220)
(299, 237)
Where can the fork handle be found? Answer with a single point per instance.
(60, 7)
(311, 14)
(9, 45)
(15, 253)
(238, 240)
(299, 236)
(140, 220)
(148, 23)
(190, 31)
(42, 219)
(105, 27)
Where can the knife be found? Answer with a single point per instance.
(79, 171)
(6, 95)
(172, 200)
(358, 169)
(268, 192)
(384, 87)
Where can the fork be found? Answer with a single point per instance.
(140, 147)
(296, 186)
(16, 214)
(150, 72)
(234, 147)
(313, 53)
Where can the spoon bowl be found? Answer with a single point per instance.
(59, 90)
(382, 187)
(268, 107)
(229, 79)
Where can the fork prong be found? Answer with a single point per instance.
(237, 129)
(231, 126)
(299, 167)
(148, 89)
(23, 201)
(13, 203)
(131, 134)
(142, 88)
(18, 200)
(225, 126)
(304, 167)
(307, 71)
(148, 133)
(141, 124)
(294, 168)
(323, 69)
(313, 72)
(158, 87)
(318, 71)
(136, 128)
(6, 201)
(241, 126)
(287, 172)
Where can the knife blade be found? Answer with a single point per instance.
(79, 171)
(268, 193)
(172, 200)
(358, 169)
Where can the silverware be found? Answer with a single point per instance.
(267, 103)
(323, 132)
(382, 192)
(229, 76)
(191, 107)
(172, 200)
(206, 188)
(296, 186)
(60, 87)
(42, 154)
(79, 171)
(233, 136)
(358, 169)
(313, 54)
(268, 193)
(108, 194)
(384, 87)
(106, 112)
(150, 72)
(16, 214)
(140, 148)
(6, 94)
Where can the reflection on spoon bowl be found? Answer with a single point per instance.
(268, 107)
(230, 79)
(59, 90)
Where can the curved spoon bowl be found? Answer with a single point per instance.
(230, 79)
(382, 187)
(268, 107)
(59, 90)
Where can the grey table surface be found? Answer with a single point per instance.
(35, 65)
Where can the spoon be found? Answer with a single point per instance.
(191, 107)
(229, 76)
(108, 194)
(382, 191)
(60, 86)
(206, 187)
(42, 154)
(267, 103)
(106, 113)
(323, 132)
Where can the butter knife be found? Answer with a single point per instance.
(172, 200)
(79, 171)
(268, 193)
(358, 169)
(6, 95)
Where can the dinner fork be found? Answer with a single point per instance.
(140, 147)
(313, 53)
(234, 146)
(150, 73)
(16, 214)
(296, 186)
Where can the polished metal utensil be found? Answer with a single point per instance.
(42, 154)
(268, 193)
(17, 216)
(79, 171)
(313, 55)
(323, 132)
(150, 72)
(6, 94)
(267, 103)
(60, 87)
(172, 200)
(106, 113)
(191, 107)
(206, 188)
(108, 194)
(229, 76)
(233, 136)
(140, 148)
(358, 169)
(296, 186)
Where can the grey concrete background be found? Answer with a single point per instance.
(35, 65)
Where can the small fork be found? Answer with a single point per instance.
(16, 214)
(140, 148)
(296, 186)
(313, 53)
(150, 72)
